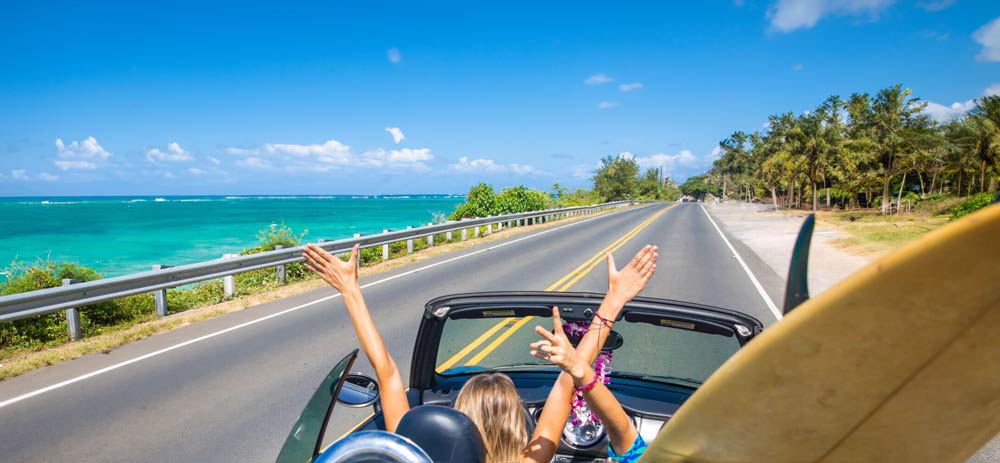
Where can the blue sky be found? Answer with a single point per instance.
(127, 98)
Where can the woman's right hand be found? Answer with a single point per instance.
(556, 348)
(339, 274)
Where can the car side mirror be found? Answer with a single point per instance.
(359, 391)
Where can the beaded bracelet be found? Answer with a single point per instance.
(587, 387)
(607, 323)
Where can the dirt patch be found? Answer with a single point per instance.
(771, 235)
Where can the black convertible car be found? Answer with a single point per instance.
(661, 351)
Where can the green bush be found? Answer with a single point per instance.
(39, 331)
(483, 201)
(561, 197)
(973, 204)
(49, 329)
(370, 256)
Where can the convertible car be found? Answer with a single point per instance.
(897, 362)
(661, 351)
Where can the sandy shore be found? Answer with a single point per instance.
(771, 235)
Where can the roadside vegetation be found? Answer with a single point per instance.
(881, 168)
(616, 179)
(878, 151)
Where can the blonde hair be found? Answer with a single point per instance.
(491, 400)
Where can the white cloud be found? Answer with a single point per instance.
(797, 67)
(255, 162)
(683, 158)
(397, 134)
(86, 149)
(394, 55)
(989, 37)
(47, 177)
(70, 165)
(240, 151)
(465, 164)
(942, 113)
(19, 174)
(174, 153)
(80, 154)
(196, 171)
(598, 79)
(329, 156)
(717, 151)
(585, 171)
(935, 35)
(169, 174)
(607, 104)
(935, 5)
(522, 169)
(630, 87)
(214, 161)
(332, 148)
(789, 15)
(397, 159)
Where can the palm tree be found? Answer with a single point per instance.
(986, 117)
(885, 124)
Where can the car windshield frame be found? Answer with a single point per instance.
(574, 306)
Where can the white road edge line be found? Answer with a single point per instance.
(756, 284)
(116, 366)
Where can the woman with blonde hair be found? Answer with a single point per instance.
(490, 400)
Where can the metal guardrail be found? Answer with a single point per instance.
(71, 296)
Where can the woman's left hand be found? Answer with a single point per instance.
(339, 274)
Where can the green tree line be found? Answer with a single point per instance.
(867, 151)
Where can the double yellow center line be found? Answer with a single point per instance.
(562, 284)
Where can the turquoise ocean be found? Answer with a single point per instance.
(121, 235)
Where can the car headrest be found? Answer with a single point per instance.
(446, 434)
(373, 447)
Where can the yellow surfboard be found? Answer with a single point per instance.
(898, 362)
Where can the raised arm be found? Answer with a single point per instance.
(623, 285)
(557, 349)
(344, 277)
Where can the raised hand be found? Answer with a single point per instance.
(625, 284)
(339, 274)
(557, 349)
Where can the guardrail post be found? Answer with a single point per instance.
(73, 315)
(279, 270)
(475, 232)
(409, 243)
(465, 234)
(160, 295)
(385, 247)
(447, 235)
(489, 228)
(499, 226)
(430, 238)
(229, 281)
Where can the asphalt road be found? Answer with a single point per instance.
(229, 389)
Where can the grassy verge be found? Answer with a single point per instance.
(205, 301)
(870, 234)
